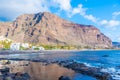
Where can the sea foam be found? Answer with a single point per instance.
(115, 73)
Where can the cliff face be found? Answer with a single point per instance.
(49, 29)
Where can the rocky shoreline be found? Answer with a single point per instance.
(7, 57)
(86, 70)
(69, 64)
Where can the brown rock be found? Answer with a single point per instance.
(49, 29)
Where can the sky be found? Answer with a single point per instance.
(103, 14)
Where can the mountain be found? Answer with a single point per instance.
(49, 29)
(116, 44)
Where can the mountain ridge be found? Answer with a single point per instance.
(49, 29)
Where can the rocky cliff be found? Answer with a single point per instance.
(49, 29)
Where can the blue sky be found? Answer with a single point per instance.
(104, 14)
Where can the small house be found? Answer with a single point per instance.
(33, 47)
(15, 46)
(37, 48)
(41, 48)
(25, 45)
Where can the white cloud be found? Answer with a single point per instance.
(110, 23)
(113, 23)
(79, 9)
(103, 22)
(13, 8)
(10, 9)
(63, 4)
(115, 14)
(118, 39)
(71, 11)
(91, 17)
(82, 11)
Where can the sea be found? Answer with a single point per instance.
(107, 60)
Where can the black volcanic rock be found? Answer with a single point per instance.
(86, 70)
(49, 29)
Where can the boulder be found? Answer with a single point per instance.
(64, 78)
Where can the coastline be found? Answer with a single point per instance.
(80, 68)
(5, 52)
(69, 64)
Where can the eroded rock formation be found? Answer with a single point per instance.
(49, 29)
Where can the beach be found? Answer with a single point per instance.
(30, 64)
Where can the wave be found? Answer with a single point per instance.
(115, 73)
(87, 64)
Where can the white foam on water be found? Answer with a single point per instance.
(87, 64)
(115, 73)
(116, 77)
(109, 70)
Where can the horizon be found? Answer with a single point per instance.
(104, 14)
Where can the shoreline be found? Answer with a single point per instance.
(69, 64)
(30, 51)
(80, 68)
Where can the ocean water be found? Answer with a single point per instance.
(107, 60)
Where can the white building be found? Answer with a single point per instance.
(15, 46)
(33, 47)
(41, 48)
(25, 45)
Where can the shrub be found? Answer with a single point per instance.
(6, 44)
(36, 48)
